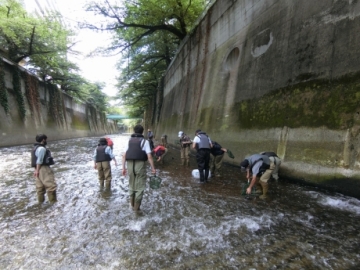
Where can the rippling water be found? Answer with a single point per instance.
(183, 225)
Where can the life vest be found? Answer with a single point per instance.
(101, 155)
(204, 141)
(257, 158)
(135, 152)
(48, 160)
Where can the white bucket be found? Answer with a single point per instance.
(195, 173)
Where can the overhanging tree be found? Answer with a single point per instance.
(147, 33)
(45, 43)
(38, 40)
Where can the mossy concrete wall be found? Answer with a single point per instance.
(274, 75)
(62, 118)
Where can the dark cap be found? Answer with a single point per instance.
(244, 164)
(197, 131)
(40, 137)
(102, 141)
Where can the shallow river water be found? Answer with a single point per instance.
(182, 225)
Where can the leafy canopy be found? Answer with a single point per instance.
(44, 43)
(147, 34)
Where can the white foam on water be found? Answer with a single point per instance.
(137, 226)
(252, 224)
(346, 203)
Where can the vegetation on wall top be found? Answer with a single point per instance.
(3, 92)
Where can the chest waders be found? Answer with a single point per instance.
(135, 205)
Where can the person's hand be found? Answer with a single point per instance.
(36, 173)
(248, 190)
(123, 171)
(153, 171)
(95, 166)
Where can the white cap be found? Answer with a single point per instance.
(180, 134)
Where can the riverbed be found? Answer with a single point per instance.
(182, 225)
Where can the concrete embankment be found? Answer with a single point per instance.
(29, 106)
(283, 76)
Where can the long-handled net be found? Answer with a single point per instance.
(155, 182)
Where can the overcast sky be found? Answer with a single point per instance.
(95, 68)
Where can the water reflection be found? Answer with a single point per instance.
(182, 225)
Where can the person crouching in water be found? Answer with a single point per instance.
(258, 170)
(160, 152)
(102, 156)
(41, 160)
(137, 153)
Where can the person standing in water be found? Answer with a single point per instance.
(102, 156)
(41, 160)
(137, 153)
(202, 144)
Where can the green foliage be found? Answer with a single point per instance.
(43, 43)
(92, 94)
(56, 104)
(32, 94)
(148, 33)
(3, 92)
(41, 40)
(18, 94)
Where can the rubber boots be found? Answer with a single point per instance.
(41, 197)
(101, 183)
(206, 175)
(265, 187)
(202, 176)
(258, 189)
(108, 185)
(137, 206)
(132, 202)
(52, 196)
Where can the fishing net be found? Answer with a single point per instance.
(245, 186)
(230, 154)
(155, 182)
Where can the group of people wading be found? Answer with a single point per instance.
(259, 168)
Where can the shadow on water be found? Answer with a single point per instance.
(182, 225)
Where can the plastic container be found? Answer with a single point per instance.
(195, 173)
(155, 182)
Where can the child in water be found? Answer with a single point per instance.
(160, 151)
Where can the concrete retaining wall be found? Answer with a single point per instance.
(48, 110)
(274, 75)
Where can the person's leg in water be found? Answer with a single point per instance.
(137, 182)
(200, 158)
(206, 165)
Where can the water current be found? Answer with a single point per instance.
(182, 225)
